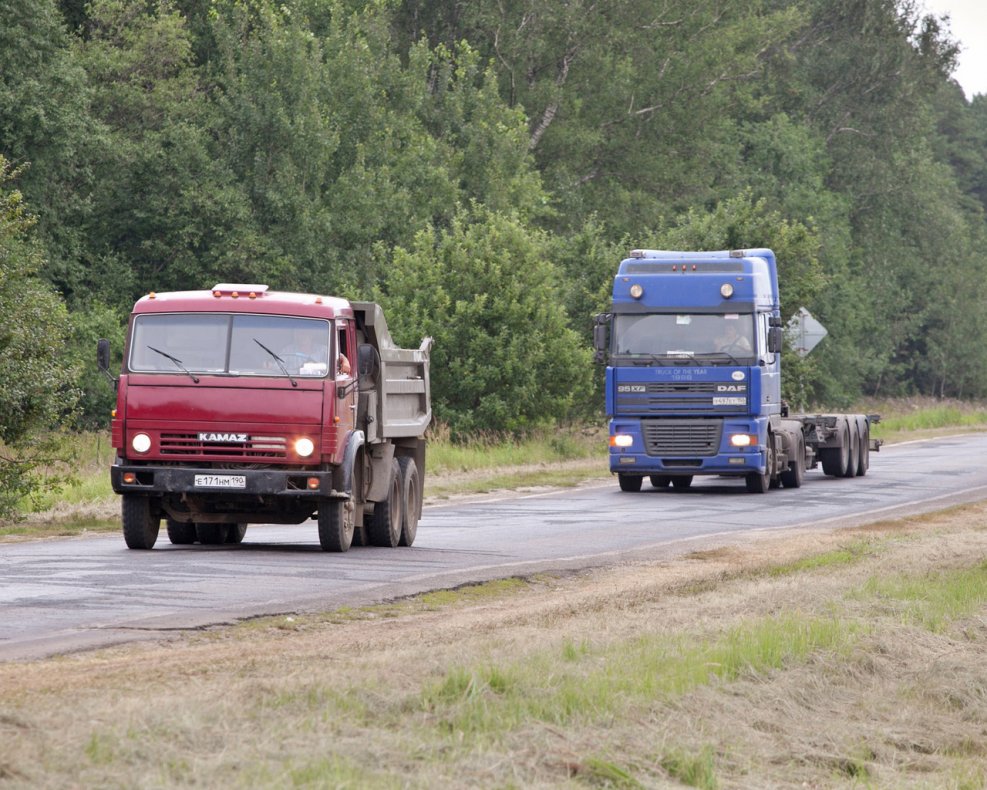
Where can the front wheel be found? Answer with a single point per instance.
(793, 476)
(235, 533)
(757, 483)
(336, 524)
(629, 482)
(140, 522)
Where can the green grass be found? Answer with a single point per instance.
(900, 422)
(935, 600)
(850, 554)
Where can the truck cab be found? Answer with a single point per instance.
(692, 345)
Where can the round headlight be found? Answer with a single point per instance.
(637, 291)
(304, 447)
(726, 290)
(141, 443)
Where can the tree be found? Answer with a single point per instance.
(504, 358)
(35, 378)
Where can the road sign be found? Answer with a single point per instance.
(804, 332)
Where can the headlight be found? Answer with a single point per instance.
(141, 443)
(304, 447)
(743, 440)
(726, 290)
(621, 440)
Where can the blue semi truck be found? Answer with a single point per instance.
(693, 347)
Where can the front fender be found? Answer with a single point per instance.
(353, 444)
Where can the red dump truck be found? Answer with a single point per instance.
(243, 405)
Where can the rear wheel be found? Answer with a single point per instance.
(235, 533)
(864, 463)
(629, 482)
(681, 483)
(336, 524)
(660, 481)
(854, 458)
(835, 460)
(180, 532)
(410, 500)
(795, 474)
(385, 525)
(140, 522)
(211, 534)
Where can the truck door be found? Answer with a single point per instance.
(770, 369)
(344, 366)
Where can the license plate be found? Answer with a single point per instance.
(220, 481)
(729, 401)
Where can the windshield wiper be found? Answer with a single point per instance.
(177, 361)
(284, 368)
(727, 354)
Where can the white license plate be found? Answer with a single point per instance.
(729, 401)
(220, 481)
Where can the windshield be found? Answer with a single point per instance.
(715, 337)
(258, 345)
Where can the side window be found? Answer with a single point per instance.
(762, 338)
(343, 361)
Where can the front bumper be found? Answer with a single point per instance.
(166, 480)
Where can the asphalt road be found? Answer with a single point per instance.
(70, 594)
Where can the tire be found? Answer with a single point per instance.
(835, 460)
(235, 533)
(795, 474)
(629, 483)
(336, 525)
(863, 464)
(681, 483)
(180, 533)
(410, 500)
(660, 481)
(140, 523)
(385, 525)
(211, 534)
(756, 482)
(854, 459)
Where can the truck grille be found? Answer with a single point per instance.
(189, 444)
(659, 397)
(682, 437)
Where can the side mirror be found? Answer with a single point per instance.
(775, 340)
(103, 359)
(601, 336)
(367, 361)
(103, 355)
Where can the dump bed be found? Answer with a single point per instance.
(395, 395)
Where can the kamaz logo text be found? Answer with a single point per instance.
(223, 437)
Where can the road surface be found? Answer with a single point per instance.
(68, 594)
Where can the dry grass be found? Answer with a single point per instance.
(555, 681)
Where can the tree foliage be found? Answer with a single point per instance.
(340, 145)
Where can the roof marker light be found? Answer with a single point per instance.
(726, 290)
(637, 291)
(152, 295)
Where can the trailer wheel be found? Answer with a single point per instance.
(756, 482)
(682, 483)
(660, 481)
(235, 533)
(795, 474)
(140, 522)
(864, 463)
(835, 460)
(335, 524)
(629, 483)
(180, 533)
(385, 526)
(211, 534)
(854, 459)
(410, 500)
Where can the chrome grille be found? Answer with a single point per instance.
(682, 437)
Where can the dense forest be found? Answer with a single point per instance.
(480, 168)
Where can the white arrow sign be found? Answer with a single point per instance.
(804, 332)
